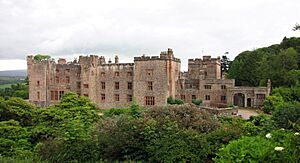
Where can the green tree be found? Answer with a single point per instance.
(41, 57)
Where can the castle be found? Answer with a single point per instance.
(150, 80)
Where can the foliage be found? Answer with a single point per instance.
(262, 149)
(297, 27)
(41, 57)
(197, 102)
(271, 102)
(287, 116)
(176, 101)
(16, 109)
(225, 63)
(277, 62)
(15, 90)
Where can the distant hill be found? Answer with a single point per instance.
(14, 73)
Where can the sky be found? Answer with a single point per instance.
(128, 28)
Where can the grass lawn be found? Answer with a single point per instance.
(2, 86)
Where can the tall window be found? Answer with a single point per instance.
(117, 74)
(117, 97)
(102, 85)
(149, 100)
(38, 95)
(61, 93)
(38, 83)
(129, 98)
(207, 86)
(78, 84)
(102, 97)
(207, 97)
(223, 86)
(182, 97)
(117, 85)
(102, 74)
(67, 79)
(150, 85)
(129, 84)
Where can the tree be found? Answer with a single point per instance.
(225, 63)
(41, 57)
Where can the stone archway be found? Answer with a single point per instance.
(239, 99)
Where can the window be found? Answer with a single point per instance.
(102, 85)
(117, 97)
(150, 85)
(223, 98)
(194, 97)
(102, 74)
(129, 84)
(92, 73)
(223, 86)
(207, 86)
(67, 79)
(54, 95)
(56, 79)
(117, 85)
(149, 100)
(205, 73)
(102, 97)
(85, 86)
(182, 97)
(61, 93)
(67, 70)
(129, 98)
(207, 97)
(57, 70)
(38, 95)
(117, 74)
(78, 75)
(260, 96)
(86, 95)
(149, 72)
(129, 74)
(78, 85)
(38, 83)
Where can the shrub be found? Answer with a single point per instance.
(172, 101)
(187, 116)
(287, 116)
(197, 102)
(262, 149)
(272, 102)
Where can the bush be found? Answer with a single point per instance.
(262, 149)
(287, 116)
(197, 102)
(272, 102)
(171, 101)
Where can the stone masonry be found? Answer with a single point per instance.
(150, 80)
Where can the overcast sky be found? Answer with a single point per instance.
(192, 28)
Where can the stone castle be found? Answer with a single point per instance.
(150, 80)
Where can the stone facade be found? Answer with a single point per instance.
(150, 80)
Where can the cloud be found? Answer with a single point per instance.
(133, 27)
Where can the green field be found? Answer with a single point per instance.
(3, 86)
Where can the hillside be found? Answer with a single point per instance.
(22, 73)
(278, 62)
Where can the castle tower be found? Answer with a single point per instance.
(155, 78)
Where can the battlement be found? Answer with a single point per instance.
(206, 59)
(164, 55)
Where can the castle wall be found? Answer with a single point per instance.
(150, 80)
